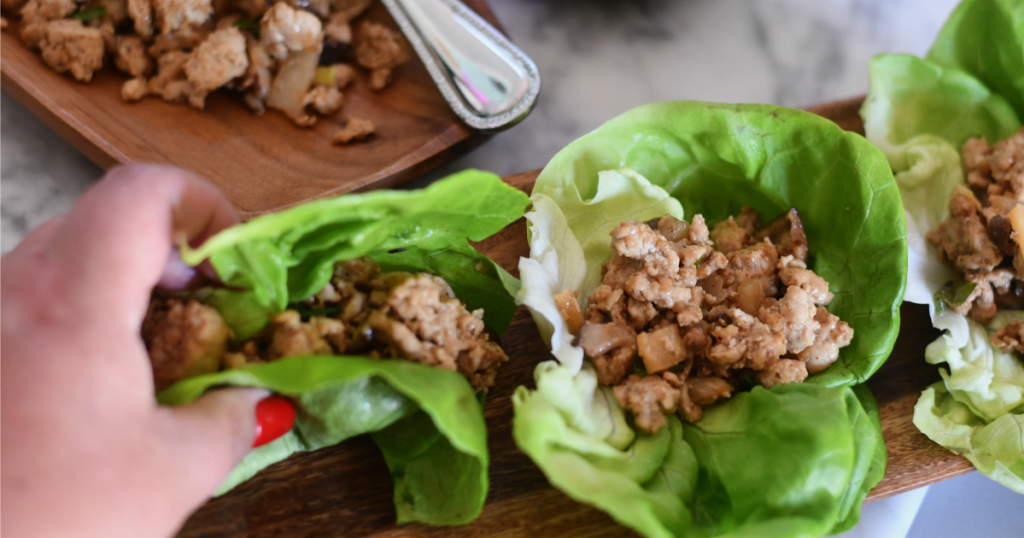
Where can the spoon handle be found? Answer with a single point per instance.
(489, 82)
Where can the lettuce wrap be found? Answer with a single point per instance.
(793, 460)
(428, 422)
(920, 112)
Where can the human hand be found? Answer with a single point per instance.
(86, 449)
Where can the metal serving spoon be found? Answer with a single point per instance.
(488, 81)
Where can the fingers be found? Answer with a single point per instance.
(23, 261)
(43, 234)
(207, 438)
(113, 246)
(37, 240)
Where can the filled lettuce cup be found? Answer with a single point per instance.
(715, 282)
(368, 313)
(950, 127)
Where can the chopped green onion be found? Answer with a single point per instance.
(90, 13)
(245, 23)
(325, 76)
(306, 312)
(953, 293)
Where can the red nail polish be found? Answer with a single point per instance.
(275, 416)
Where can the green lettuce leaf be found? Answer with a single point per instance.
(713, 159)
(435, 482)
(284, 257)
(427, 422)
(870, 464)
(815, 450)
(989, 382)
(920, 112)
(589, 469)
(796, 460)
(909, 97)
(996, 448)
(586, 406)
(986, 38)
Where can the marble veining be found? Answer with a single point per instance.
(599, 58)
(41, 175)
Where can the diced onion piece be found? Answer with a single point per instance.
(569, 308)
(292, 83)
(1016, 218)
(661, 349)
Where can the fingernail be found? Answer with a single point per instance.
(255, 394)
(275, 416)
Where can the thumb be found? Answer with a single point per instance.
(208, 437)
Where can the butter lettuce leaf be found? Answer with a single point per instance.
(814, 450)
(284, 257)
(796, 460)
(980, 376)
(590, 470)
(427, 421)
(986, 38)
(909, 96)
(713, 159)
(996, 448)
(920, 112)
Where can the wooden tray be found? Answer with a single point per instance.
(346, 490)
(262, 163)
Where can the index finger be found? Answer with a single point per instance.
(112, 247)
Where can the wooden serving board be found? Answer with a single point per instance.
(346, 490)
(262, 163)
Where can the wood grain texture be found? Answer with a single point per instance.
(346, 490)
(262, 163)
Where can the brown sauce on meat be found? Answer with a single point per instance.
(361, 311)
(977, 237)
(685, 316)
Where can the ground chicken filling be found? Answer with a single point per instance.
(362, 311)
(982, 236)
(685, 316)
(295, 56)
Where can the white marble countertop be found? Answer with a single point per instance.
(599, 58)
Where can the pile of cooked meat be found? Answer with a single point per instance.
(982, 236)
(361, 311)
(291, 55)
(706, 312)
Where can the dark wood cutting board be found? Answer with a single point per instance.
(346, 490)
(262, 163)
